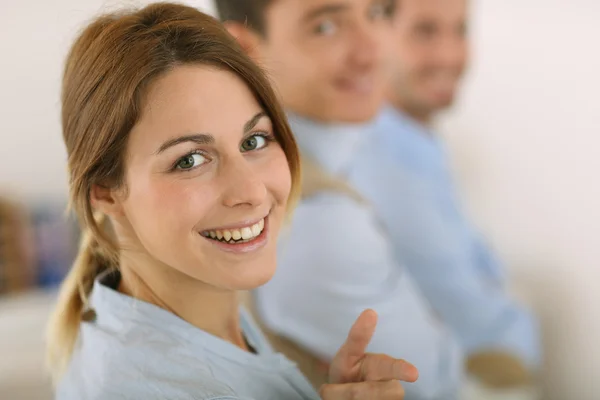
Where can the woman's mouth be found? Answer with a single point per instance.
(240, 240)
(241, 235)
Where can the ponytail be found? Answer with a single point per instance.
(316, 180)
(63, 327)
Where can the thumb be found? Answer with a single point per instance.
(358, 339)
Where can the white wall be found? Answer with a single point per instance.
(34, 39)
(526, 144)
(525, 141)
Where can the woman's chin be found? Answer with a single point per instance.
(253, 278)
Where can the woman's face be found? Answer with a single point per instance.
(206, 182)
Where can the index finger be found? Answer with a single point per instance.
(381, 367)
(389, 390)
(360, 335)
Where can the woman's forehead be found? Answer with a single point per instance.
(196, 99)
(198, 90)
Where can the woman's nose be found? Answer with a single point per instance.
(242, 184)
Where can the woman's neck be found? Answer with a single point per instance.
(213, 310)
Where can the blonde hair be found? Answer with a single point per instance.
(109, 67)
(316, 180)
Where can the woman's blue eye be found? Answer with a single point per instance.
(253, 142)
(190, 161)
(326, 28)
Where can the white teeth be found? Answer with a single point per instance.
(246, 233)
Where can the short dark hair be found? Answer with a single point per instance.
(248, 12)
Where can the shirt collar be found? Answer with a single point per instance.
(331, 145)
(411, 141)
(121, 314)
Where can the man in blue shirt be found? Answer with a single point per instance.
(344, 250)
(327, 59)
(416, 200)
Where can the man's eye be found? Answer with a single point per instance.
(254, 142)
(378, 11)
(382, 10)
(326, 28)
(190, 161)
(462, 30)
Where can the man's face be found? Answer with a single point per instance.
(326, 57)
(430, 55)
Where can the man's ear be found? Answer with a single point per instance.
(248, 38)
(106, 200)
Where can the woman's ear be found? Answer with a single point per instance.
(106, 200)
(247, 38)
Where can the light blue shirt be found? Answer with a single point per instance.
(135, 350)
(411, 188)
(335, 260)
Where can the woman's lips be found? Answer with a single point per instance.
(240, 240)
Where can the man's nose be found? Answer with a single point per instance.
(365, 47)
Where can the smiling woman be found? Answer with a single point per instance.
(182, 168)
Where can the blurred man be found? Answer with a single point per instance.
(327, 61)
(455, 270)
(430, 56)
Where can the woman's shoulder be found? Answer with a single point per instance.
(123, 379)
(109, 366)
(164, 374)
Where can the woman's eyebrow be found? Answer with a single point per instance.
(198, 138)
(248, 126)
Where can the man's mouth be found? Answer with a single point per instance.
(363, 85)
(238, 235)
(442, 81)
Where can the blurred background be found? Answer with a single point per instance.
(525, 146)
